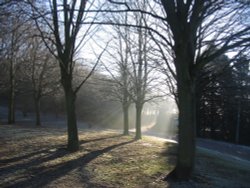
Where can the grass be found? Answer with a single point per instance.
(36, 157)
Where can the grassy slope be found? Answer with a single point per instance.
(36, 157)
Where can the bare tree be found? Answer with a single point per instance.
(140, 72)
(121, 82)
(133, 50)
(13, 44)
(62, 26)
(124, 71)
(41, 70)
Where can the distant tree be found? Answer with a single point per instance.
(223, 100)
(213, 83)
(120, 73)
(242, 79)
(13, 45)
(96, 104)
(42, 71)
(140, 74)
(121, 83)
(135, 70)
(124, 83)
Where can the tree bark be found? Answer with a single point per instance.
(237, 133)
(187, 127)
(138, 121)
(126, 119)
(11, 110)
(37, 106)
(187, 119)
(70, 98)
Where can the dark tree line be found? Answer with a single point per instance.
(223, 105)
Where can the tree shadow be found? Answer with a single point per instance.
(170, 154)
(45, 152)
(30, 160)
(18, 158)
(170, 149)
(39, 175)
(99, 139)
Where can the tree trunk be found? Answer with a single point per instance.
(187, 127)
(187, 119)
(125, 119)
(237, 133)
(73, 141)
(212, 115)
(11, 113)
(11, 110)
(199, 125)
(138, 121)
(37, 106)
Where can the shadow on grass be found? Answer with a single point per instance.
(99, 139)
(170, 154)
(19, 158)
(37, 175)
(46, 153)
(170, 149)
(30, 160)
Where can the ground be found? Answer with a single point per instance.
(36, 157)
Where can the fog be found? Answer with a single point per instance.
(157, 119)
(160, 119)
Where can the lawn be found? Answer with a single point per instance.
(36, 157)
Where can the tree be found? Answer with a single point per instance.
(41, 71)
(213, 97)
(191, 24)
(122, 82)
(61, 26)
(185, 30)
(136, 73)
(13, 43)
(140, 71)
(223, 100)
(143, 23)
(241, 74)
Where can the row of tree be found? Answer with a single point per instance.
(179, 33)
(132, 66)
(36, 72)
